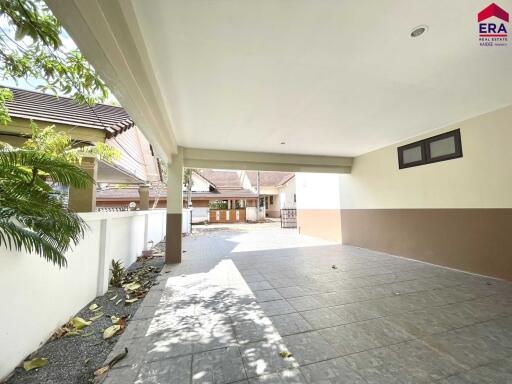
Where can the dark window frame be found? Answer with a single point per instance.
(426, 157)
(458, 146)
(403, 148)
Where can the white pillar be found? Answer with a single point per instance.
(174, 208)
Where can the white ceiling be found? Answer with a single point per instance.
(326, 77)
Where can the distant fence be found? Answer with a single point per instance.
(39, 297)
(288, 218)
(112, 209)
(227, 215)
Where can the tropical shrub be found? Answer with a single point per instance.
(32, 215)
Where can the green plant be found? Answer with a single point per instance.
(118, 274)
(32, 215)
(218, 204)
(60, 144)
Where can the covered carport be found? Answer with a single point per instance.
(407, 107)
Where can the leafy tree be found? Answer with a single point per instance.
(32, 48)
(32, 214)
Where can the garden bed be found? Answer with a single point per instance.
(73, 359)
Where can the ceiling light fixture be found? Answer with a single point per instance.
(419, 30)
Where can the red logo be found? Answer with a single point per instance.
(493, 32)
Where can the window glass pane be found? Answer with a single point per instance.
(442, 147)
(411, 155)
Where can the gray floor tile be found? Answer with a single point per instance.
(263, 357)
(267, 295)
(379, 366)
(334, 371)
(322, 318)
(276, 307)
(290, 324)
(259, 285)
(289, 376)
(217, 367)
(498, 372)
(164, 371)
(467, 347)
(383, 331)
(295, 291)
(255, 330)
(365, 310)
(347, 339)
(206, 307)
(422, 363)
(306, 303)
(309, 347)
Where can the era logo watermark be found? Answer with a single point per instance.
(492, 27)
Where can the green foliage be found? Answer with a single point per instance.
(32, 48)
(32, 215)
(53, 143)
(218, 204)
(5, 95)
(118, 274)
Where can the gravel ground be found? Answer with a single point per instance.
(73, 359)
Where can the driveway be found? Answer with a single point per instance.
(260, 304)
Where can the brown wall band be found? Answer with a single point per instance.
(474, 240)
(173, 238)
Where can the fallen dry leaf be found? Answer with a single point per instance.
(111, 331)
(79, 323)
(38, 362)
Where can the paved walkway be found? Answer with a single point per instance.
(346, 315)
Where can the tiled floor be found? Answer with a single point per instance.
(346, 315)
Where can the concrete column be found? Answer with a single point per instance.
(84, 200)
(144, 197)
(174, 208)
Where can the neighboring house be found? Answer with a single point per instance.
(209, 187)
(218, 189)
(277, 190)
(86, 125)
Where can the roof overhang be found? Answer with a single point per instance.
(112, 174)
(107, 34)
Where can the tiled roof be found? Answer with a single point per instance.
(222, 179)
(270, 179)
(64, 110)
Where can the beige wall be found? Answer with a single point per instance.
(454, 213)
(322, 223)
(482, 178)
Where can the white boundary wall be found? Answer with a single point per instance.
(38, 297)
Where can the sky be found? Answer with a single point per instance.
(32, 83)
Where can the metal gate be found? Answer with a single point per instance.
(288, 218)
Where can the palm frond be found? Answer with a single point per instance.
(17, 237)
(59, 170)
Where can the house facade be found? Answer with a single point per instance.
(216, 190)
(86, 125)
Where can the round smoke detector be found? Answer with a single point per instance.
(419, 30)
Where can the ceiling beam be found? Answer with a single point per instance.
(261, 161)
(108, 34)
